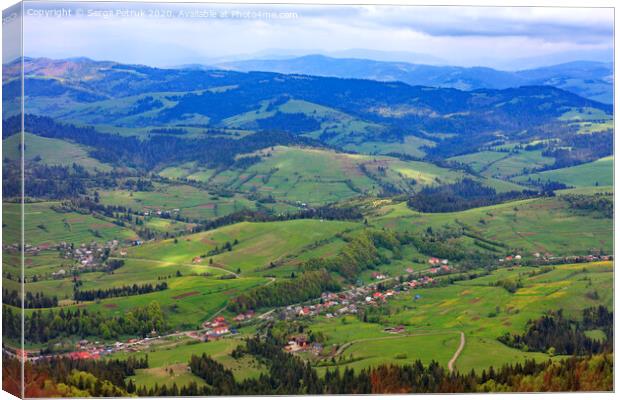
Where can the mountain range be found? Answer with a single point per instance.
(589, 79)
(359, 115)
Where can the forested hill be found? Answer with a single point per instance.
(345, 113)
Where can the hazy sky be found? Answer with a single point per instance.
(173, 34)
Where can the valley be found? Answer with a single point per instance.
(210, 226)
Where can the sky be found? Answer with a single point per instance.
(174, 34)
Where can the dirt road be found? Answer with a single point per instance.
(457, 353)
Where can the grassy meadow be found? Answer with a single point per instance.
(533, 225)
(596, 173)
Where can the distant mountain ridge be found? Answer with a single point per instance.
(590, 79)
(346, 113)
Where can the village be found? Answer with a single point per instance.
(351, 301)
(329, 305)
(88, 256)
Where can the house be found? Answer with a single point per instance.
(243, 317)
(304, 311)
(301, 340)
(409, 270)
(196, 260)
(220, 330)
(377, 275)
(297, 343)
(377, 295)
(445, 268)
(434, 261)
(433, 270)
(518, 257)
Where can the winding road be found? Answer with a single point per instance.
(456, 355)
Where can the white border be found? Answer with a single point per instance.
(523, 3)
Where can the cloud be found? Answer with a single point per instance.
(462, 35)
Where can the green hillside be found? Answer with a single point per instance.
(51, 152)
(596, 173)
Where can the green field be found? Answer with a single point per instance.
(51, 152)
(47, 227)
(411, 145)
(433, 324)
(174, 353)
(259, 244)
(318, 176)
(188, 302)
(589, 120)
(296, 175)
(596, 173)
(535, 225)
(190, 201)
(480, 310)
(504, 164)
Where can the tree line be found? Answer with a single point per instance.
(306, 286)
(599, 203)
(292, 375)
(44, 326)
(134, 152)
(557, 334)
(359, 254)
(36, 300)
(66, 377)
(461, 195)
(128, 290)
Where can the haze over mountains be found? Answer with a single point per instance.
(591, 79)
